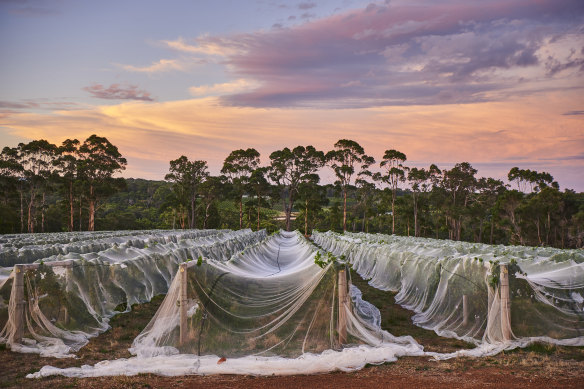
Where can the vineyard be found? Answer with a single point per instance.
(243, 302)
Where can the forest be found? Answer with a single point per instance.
(76, 186)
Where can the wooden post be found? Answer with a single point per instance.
(20, 304)
(342, 304)
(505, 306)
(183, 302)
(464, 310)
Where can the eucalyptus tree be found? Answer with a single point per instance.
(210, 191)
(460, 184)
(186, 177)
(12, 178)
(311, 198)
(365, 195)
(534, 180)
(419, 180)
(346, 156)
(261, 188)
(238, 167)
(489, 191)
(99, 160)
(67, 165)
(393, 172)
(290, 168)
(36, 158)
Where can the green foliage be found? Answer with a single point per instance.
(324, 262)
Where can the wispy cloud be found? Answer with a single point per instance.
(573, 113)
(206, 45)
(118, 92)
(223, 88)
(163, 65)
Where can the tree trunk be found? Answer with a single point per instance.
(192, 218)
(31, 213)
(416, 229)
(306, 217)
(392, 213)
(549, 227)
(492, 229)
(206, 216)
(345, 210)
(43, 214)
(91, 224)
(70, 206)
(80, 213)
(240, 212)
(21, 212)
(259, 203)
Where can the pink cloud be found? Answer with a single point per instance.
(118, 92)
(399, 55)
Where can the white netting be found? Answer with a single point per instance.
(63, 306)
(454, 287)
(265, 305)
(269, 310)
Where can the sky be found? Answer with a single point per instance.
(496, 83)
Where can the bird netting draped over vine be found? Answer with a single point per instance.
(60, 307)
(270, 300)
(455, 287)
(269, 310)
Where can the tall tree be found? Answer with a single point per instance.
(420, 182)
(289, 168)
(67, 167)
(210, 191)
(365, 196)
(36, 158)
(393, 174)
(12, 176)
(99, 161)
(346, 156)
(186, 177)
(460, 183)
(238, 167)
(261, 188)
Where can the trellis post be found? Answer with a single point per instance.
(20, 303)
(464, 310)
(183, 302)
(505, 305)
(342, 328)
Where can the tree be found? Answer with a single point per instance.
(420, 182)
(238, 167)
(290, 168)
(12, 177)
(36, 158)
(67, 165)
(260, 186)
(365, 195)
(99, 161)
(343, 159)
(460, 184)
(210, 191)
(392, 163)
(186, 177)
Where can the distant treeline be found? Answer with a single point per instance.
(45, 187)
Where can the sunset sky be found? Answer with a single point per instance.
(497, 83)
